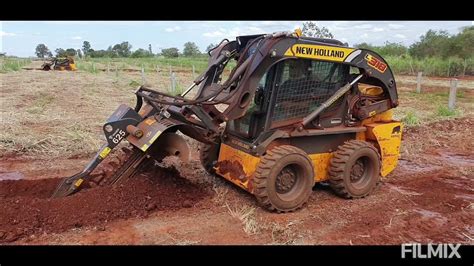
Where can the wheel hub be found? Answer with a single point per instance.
(286, 180)
(357, 171)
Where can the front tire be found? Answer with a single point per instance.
(208, 155)
(354, 169)
(284, 179)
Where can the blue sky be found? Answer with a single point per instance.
(21, 37)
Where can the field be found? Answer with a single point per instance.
(51, 126)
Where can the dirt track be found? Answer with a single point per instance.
(429, 198)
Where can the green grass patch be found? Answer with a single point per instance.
(443, 110)
(12, 64)
(411, 119)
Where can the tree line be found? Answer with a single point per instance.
(123, 49)
(432, 44)
(439, 44)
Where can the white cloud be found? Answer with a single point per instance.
(173, 29)
(395, 26)
(76, 38)
(364, 26)
(233, 32)
(377, 29)
(4, 34)
(401, 36)
(213, 34)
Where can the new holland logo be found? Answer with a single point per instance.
(330, 53)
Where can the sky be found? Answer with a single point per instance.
(20, 38)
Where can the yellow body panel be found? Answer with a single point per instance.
(73, 66)
(236, 166)
(239, 167)
(370, 89)
(388, 136)
(320, 165)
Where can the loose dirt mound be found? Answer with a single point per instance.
(26, 208)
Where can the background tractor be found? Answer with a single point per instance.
(59, 64)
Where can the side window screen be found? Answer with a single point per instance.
(302, 87)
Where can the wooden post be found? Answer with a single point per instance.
(157, 70)
(143, 76)
(418, 82)
(173, 82)
(194, 72)
(452, 94)
(116, 71)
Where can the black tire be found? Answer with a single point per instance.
(208, 155)
(354, 169)
(284, 179)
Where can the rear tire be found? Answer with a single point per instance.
(284, 179)
(354, 169)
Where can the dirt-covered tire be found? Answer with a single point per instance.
(354, 169)
(208, 154)
(284, 179)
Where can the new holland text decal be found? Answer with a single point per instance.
(330, 53)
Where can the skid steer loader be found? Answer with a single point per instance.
(59, 64)
(294, 111)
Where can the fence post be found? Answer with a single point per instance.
(418, 82)
(116, 71)
(173, 82)
(452, 94)
(194, 72)
(143, 76)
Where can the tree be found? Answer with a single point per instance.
(391, 48)
(463, 42)
(122, 50)
(210, 46)
(70, 52)
(86, 48)
(141, 53)
(191, 49)
(365, 45)
(310, 29)
(149, 49)
(431, 44)
(42, 51)
(170, 52)
(60, 52)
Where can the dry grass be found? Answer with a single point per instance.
(246, 214)
(60, 114)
